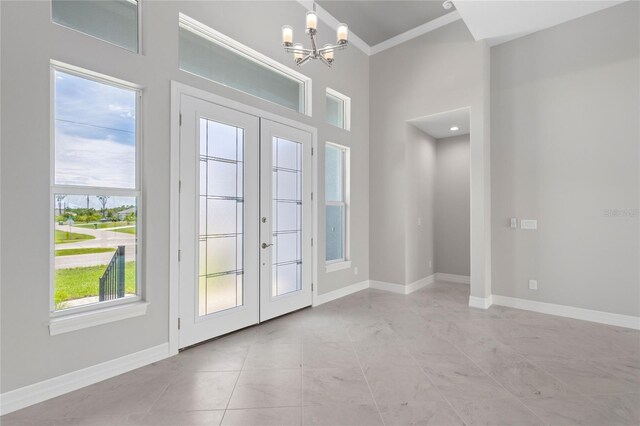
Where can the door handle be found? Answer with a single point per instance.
(265, 245)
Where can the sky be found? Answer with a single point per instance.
(95, 127)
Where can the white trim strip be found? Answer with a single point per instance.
(91, 318)
(609, 318)
(337, 266)
(385, 286)
(56, 386)
(400, 288)
(453, 278)
(479, 302)
(416, 32)
(339, 293)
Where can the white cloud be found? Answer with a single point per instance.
(94, 162)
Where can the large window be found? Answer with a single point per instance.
(114, 21)
(214, 56)
(95, 192)
(338, 111)
(337, 202)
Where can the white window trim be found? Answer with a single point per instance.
(220, 39)
(104, 315)
(112, 310)
(337, 265)
(138, 50)
(345, 262)
(346, 110)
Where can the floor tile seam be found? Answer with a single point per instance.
(438, 389)
(258, 408)
(367, 382)
(532, 409)
(161, 394)
(578, 391)
(234, 387)
(502, 386)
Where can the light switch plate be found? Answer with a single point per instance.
(528, 224)
(514, 222)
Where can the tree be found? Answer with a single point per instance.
(104, 199)
(59, 199)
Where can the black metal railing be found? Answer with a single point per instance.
(112, 281)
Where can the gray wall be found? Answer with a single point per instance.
(439, 71)
(565, 104)
(29, 41)
(421, 169)
(452, 206)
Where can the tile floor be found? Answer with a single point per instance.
(377, 358)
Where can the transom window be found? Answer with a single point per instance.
(338, 109)
(214, 56)
(95, 194)
(113, 21)
(337, 202)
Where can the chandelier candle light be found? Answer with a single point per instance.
(301, 55)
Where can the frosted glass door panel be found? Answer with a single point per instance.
(287, 216)
(221, 217)
(287, 278)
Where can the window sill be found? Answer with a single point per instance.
(73, 322)
(338, 266)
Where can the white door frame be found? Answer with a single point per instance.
(177, 90)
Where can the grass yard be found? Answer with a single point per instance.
(75, 283)
(63, 237)
(131, 230)
(86, 250)
(102, 225)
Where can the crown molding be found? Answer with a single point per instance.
(330, 20)
(416, 32)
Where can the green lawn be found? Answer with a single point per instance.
(86, 250)
(63, 237)
(102, 225)
(75, 283)
(131, 230)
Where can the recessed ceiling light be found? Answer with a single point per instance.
(454, 128)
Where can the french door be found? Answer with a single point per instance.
(245, 220)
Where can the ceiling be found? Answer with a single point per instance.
(439, 125)
(378, 21)
(501, 21)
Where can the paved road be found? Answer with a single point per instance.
(103, 238)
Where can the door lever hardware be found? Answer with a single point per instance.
(265, 245)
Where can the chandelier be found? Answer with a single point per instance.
(301, 55)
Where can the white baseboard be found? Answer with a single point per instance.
(619, 320)
(341, 292)
(453, 278)
(392, 287)
(400, 288)
(423, 282)
(480, 302)
(56, 386)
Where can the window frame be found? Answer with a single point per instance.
(93, 191)
(345, 261)
(138, 50)
(346, 108)
(208, 33)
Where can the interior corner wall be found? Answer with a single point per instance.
(419, 214)
(452, 210)
(565, 106)
(440, 71)
(29, 41)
